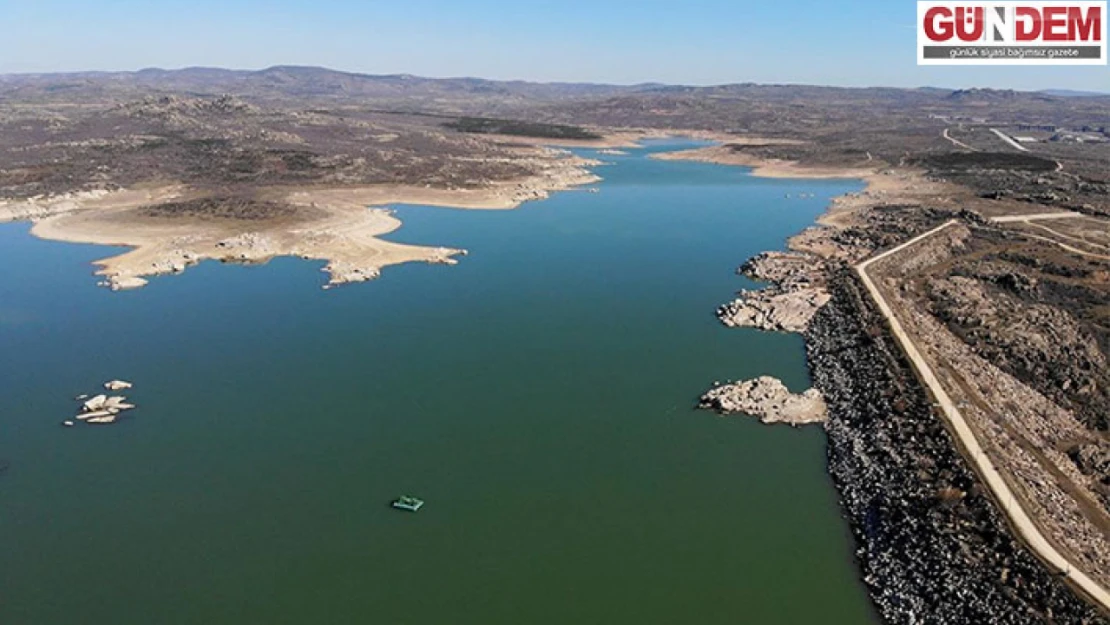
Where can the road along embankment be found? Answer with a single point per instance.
(932, 546)
(1017, 516)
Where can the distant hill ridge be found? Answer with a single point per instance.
(323, 81)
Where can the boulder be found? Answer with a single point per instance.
(95, 404)
(117, 403)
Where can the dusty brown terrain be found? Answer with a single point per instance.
(172, 228)
(185, 179)
(1025, 433)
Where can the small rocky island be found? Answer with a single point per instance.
(768, 399)
(103, 409)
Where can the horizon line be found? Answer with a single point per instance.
(403, 75)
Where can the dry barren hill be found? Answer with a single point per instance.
(225, 142)
(319, 119)
(304, 85)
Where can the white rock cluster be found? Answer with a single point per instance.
(774, 310)
(769, 399)
(103, 409)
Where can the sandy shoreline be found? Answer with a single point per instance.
(336, 225)
(609, 139)
(633, 137)
(333, 224)
(877, 182)
(796, 278)
(764, 168)
(882, 183)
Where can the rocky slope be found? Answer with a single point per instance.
(933, 548)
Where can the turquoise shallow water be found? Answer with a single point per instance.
(538, 395)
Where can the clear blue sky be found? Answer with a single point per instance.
(859, 43)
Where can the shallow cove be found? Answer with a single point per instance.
(538, 395)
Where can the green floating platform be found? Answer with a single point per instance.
(410, 504)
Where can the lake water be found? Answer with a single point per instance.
(539, 396)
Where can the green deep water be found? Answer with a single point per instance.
(539, 396)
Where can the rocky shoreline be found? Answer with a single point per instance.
(932, 547)
(795, 294)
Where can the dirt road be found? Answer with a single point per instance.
(1014, 144)
(1006, 219)
(957, 142)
